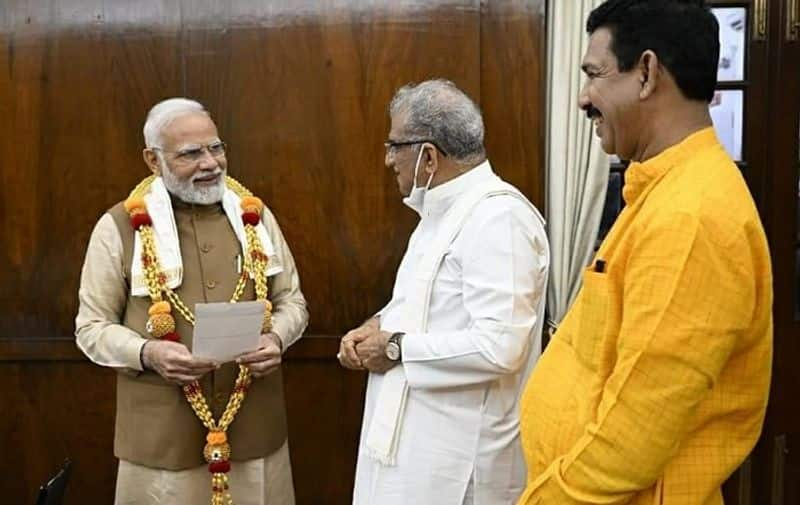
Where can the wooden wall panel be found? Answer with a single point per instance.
(54, 410)
(299, 90)
(513, 76)
(315, 153)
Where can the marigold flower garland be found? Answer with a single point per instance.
(161, 324)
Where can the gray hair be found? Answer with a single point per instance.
(439, 111)
(163, 113)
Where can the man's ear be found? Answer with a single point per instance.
(430, 158)
(649, 74)
(151, 159)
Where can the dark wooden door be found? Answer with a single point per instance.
(779, 449)
(770, 160)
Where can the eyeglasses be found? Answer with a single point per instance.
(194, 154)
(392, 145)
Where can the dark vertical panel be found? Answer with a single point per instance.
(71, 144)
(24, 69)
(513, 87)
(52, 411)
(780, 124)
(324, 405)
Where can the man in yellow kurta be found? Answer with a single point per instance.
(654, 387)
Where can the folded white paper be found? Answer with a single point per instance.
(223, 331)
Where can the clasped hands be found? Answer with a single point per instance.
(174, 362)
(364, 348)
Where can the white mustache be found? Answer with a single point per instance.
(216, 172)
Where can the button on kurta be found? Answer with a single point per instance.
(220, 397)
(206, 248)
(211, 284)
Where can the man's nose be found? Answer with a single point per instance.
(208, 160)
(583, 97)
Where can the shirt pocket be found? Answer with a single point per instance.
(593, 306)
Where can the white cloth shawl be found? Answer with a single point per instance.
(159, 206)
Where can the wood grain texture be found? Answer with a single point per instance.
(54, 410)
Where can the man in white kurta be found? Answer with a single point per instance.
(441, 419)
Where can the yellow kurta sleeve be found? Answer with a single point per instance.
(689, 293)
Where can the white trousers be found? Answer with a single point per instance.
(264, 481)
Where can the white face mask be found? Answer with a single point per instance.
(416, 199)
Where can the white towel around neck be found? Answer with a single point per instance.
(168, 249)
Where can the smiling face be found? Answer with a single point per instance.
(190, 170)
(611, 98)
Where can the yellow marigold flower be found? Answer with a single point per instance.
(161, 307)
(252, 201)
(134, 203)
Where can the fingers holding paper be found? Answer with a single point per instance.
(174, 362)
(266, 359)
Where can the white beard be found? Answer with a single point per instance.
(186, 190)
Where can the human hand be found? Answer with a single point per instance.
(372, 352)
(174, 362)
(347, 355)
(266, 359)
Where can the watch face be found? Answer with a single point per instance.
(392, 351)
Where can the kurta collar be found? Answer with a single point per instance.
(639, 175)
(439, 199)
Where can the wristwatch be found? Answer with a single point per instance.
(394, 350)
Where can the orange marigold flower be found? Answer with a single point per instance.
(161, 307)
(252, 201)
(134, 203)
(216, 437)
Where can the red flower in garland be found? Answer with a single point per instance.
(219, 467)
(172, 337)
(139, 220)
(251, 218)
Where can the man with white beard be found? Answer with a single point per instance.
(185, 235)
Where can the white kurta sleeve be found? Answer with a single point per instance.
(504, 272)
(102, 295)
